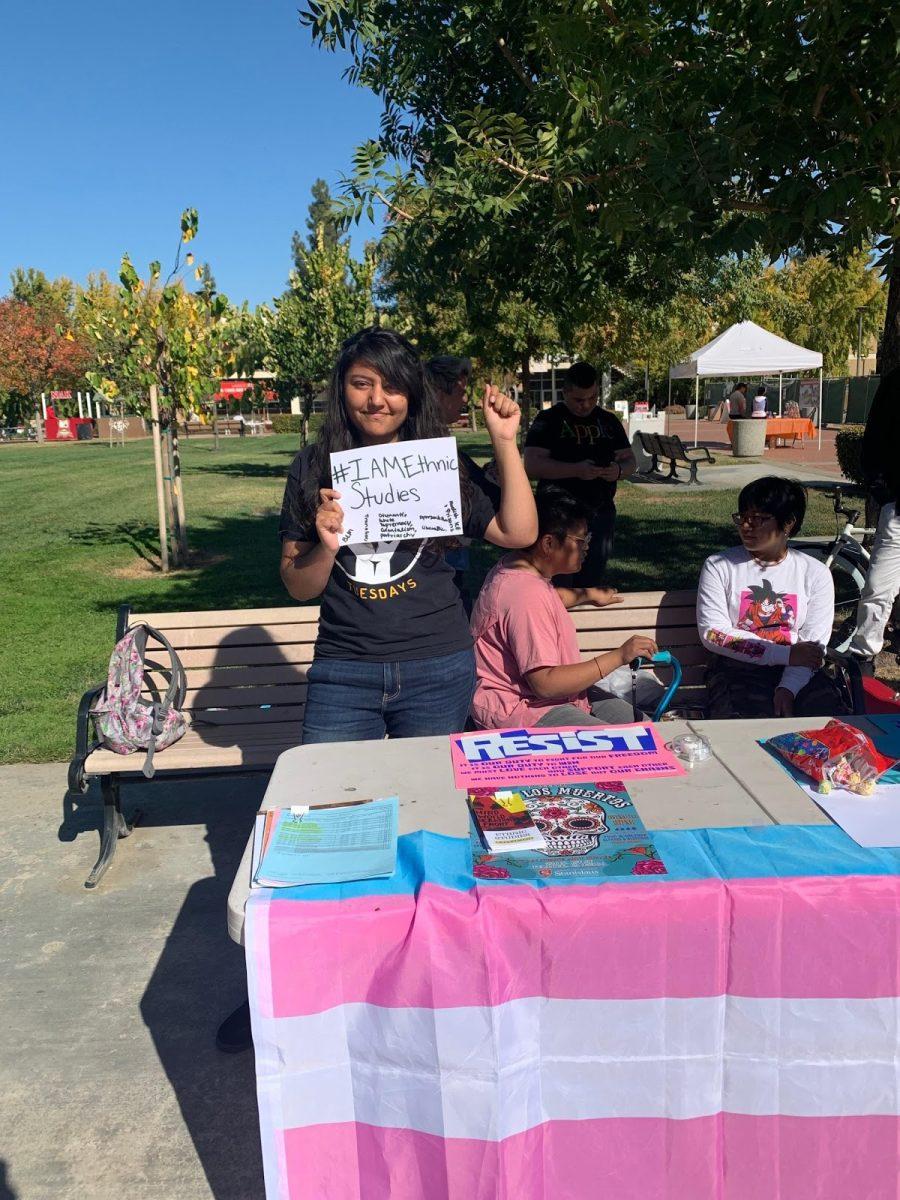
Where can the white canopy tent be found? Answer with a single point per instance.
(747, 349)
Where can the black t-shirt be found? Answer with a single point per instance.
(391, 601)
(594, 438)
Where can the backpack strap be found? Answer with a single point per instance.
(175, 692)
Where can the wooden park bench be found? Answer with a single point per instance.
(246, 680)
(246, 689)
(671, 448)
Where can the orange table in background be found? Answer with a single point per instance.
(783, 427)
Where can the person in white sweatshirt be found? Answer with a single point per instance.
(765, 613)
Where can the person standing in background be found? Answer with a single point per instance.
(737, 402)
(449, 377)
(585, 449)
(881, 468)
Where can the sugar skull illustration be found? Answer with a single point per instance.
(569, 825)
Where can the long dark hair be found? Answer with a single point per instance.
(396, 360)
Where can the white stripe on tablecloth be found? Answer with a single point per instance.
(491, 1072)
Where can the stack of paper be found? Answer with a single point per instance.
(325, 844)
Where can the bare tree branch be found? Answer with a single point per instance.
(515, 64)
(394, 208)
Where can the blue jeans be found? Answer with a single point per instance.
(361, 701)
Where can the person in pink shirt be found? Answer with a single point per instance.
(529, 670)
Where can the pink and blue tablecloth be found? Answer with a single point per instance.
(728, 1032)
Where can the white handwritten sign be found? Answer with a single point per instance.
(399, 491)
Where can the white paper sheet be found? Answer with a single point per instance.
(870, 820)
(399, 491)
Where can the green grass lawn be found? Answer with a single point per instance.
(78, 538)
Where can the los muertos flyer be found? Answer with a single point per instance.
(591, 831)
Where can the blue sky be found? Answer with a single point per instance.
(117, 115)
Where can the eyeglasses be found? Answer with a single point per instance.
(751, 520)
(585, 541)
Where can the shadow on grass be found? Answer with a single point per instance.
(662, 553)
(236, 565)
(652, 553)
(200, 974)
(143, 540)
(244, 470)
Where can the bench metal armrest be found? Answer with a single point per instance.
(84, 743)
(702, 453)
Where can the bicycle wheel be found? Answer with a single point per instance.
(848, 572)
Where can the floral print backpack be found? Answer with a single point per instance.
(125, 720)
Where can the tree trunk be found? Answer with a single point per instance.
(307, 411)
(889, 350)
(171, 510)
(158, 465)
(178, 493)
(39, 423)
(473, 414)
(526, 392)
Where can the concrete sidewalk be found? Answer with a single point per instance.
(731, 474)
(109, 1000)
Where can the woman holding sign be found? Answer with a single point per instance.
(394, 653)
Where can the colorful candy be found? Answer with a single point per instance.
(837, 756)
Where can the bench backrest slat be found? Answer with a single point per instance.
(233, 617)
(242, 635)
(248, 666)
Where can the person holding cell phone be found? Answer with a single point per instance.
(584, 449)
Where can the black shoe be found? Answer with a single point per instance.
(233, 1035)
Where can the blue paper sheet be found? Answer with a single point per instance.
(889, 741)
(331, 845)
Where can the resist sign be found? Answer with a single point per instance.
(399, 491)
(508, 758)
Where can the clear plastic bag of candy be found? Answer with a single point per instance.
(836, 756)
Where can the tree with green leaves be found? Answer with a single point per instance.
(612, 141)
(322, 215)
(154, 338)
(812, 301)
(329, 299)
(53, 299)
(501, 330)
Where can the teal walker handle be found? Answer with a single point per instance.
(663, 658)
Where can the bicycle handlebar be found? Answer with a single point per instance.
(837, 493)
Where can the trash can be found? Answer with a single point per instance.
(748, 438)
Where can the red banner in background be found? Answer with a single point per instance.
(64, 429)
(234, 389)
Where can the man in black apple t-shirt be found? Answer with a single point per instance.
(584, 449)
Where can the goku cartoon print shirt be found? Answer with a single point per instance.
(754, 613)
